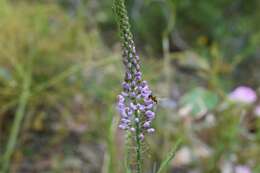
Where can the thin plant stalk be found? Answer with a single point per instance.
(138, 149)
(19, 116)
(169, 158)
(127, 152)
(109, 166)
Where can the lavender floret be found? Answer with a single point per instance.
(151, 130)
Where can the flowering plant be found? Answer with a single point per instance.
(136, 103)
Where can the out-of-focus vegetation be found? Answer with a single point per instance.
(60, 72)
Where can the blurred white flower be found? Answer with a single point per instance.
(210, 120)
(185, 111)
(257, 111)
(242, 169)
(226, 166)
(202, 151)
(243, 94)
(183, 157)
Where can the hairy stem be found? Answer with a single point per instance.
(138, 149)
(138, 141)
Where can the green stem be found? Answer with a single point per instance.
(138, 149)
(127, 152)
(19, 115)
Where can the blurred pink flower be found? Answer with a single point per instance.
(243, 94)
(242, 169)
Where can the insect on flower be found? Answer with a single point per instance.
(153, 98)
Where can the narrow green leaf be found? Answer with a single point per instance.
(170, 156)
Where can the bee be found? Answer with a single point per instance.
(153, 98)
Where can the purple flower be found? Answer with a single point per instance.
(130, 112)
(138, 97)
(120, 106)
(123, 114)
(121, 98)
(243, 94)
(148, 101)
(133, 83)
(132, 129)
(124, 94)
(123, 126)
(151, 130)
(145, 92)
(141, 136)
(141, 107)
(242, 169)
(126, 86)
(133, 106)
(124, 120)
(128, 76)
(144, 83)
(147, 124)
(150, 106)
(150, 114)
(133, 94)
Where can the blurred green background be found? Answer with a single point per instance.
(61, 70)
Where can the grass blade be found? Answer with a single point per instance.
(19, 116)
(170, 156)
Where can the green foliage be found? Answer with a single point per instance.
(41, 35)
(199, 100)
(45, 40)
